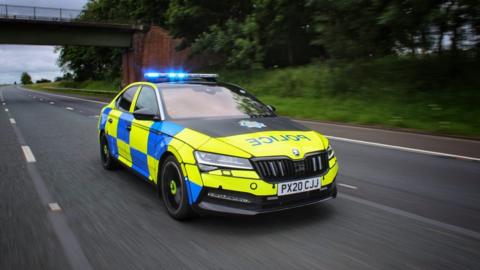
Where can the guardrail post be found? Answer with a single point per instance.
(6, 11)
(60, 14)
(34, 13)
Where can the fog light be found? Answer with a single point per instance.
(228, 197)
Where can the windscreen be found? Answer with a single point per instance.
(210, 101)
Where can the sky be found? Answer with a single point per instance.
(38, 61)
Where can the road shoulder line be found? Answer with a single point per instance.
(436, 223)
(62, 96)
(402, 148)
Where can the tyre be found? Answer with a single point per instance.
(173, 189)
(108, 161)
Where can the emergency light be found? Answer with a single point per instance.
(178, 76)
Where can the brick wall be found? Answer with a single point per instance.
(155, 50)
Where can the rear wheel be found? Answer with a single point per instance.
(173, 190)
(108, 161)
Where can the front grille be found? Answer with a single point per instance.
(282, 169)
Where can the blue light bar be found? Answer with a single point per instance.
(178, 76)
(152, 75)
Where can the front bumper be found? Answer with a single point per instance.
(240, 203)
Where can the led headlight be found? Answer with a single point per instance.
(209, 161)
(330, 152)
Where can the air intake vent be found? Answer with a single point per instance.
(283, 169)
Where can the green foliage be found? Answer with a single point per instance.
(236, 44)
(255, 34)
(123, 11)
(189, 19)
(91, 62)
(352, 29)
(26, 78)
(429, 94)
(432, 94)
(43, 81)
(245, 34)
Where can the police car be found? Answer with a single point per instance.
(211, 146)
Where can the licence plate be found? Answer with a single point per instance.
(299, 186)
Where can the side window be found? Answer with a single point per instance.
(125, 100)
(147, 99)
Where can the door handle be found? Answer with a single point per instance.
(110, 120)
(129, 128)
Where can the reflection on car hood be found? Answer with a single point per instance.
(269, 136)
(236, 126)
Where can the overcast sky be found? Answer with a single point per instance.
(39, 61)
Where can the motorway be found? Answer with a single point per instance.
(59, 209)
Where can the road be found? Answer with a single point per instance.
(396, 209)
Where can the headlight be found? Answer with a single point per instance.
(209, 161)
(330, 152)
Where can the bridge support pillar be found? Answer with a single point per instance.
(154, 50)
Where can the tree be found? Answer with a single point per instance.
(43, 80)
(246, 33)
(189, 19)
(276, 33)
(352, 29)
(26, 78)
(284, 28)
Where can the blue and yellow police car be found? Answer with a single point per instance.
(212, 146)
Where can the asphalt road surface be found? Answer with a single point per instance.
(60, 210)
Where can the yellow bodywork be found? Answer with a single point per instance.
(136, 150)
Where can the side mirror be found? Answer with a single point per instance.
(272, 108)
(146, 114)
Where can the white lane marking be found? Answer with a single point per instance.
(96, 116)
(51, 102)
(4, 103)
(54, 207)
(408, 149)
(433, 222)
(62, 96)
(12, 121)
(381, 130)
(69, 108)
(6, 110)
(347, 186)
(28, 153)
(41, 99)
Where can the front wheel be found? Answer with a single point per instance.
(174, 190)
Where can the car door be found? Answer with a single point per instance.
(119, 123)
(141, 135)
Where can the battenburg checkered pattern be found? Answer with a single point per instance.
(141, 145)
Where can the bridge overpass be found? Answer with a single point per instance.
(146, 47)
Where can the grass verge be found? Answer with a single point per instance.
(432, 95)
(88, 88)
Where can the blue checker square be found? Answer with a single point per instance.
(112, 145)
(157, 144)
(193, 191)
(103, 118)
(122, 132)
(139, 161)
(167, 127)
